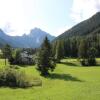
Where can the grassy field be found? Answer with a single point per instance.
(69, 81)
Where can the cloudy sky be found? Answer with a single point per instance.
(53, 16)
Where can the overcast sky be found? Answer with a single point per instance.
(53, 16)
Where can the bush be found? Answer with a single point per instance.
(24, 80)
(11, 77)
(1, 56)
(2, 77)
(14, 66)
(88, 62)
(84, 62)
(15, 78)
(92, 61)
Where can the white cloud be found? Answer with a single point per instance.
(12, 16)
(83, 9)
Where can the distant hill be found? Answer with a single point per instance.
(2, 40)
(33, 40)
(89, 26)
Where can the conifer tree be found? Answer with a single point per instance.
(82, 52)
(7, 52)
(45, 61)
(87, 53)
(59, 51)
(91, 56)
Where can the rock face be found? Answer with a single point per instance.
(33, 40)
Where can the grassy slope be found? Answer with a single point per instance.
(67, 82)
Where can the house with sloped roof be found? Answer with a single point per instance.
(26, 58)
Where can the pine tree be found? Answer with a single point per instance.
(53, 47)
(67, 48)
(87, 52)
(59, 51)
(82, 52)
(91, 56)
(17, 59)
(45, 61)
(7, 52)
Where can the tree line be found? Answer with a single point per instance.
(82, 47)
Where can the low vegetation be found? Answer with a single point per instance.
(13, 77)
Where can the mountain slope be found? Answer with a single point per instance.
(2, 40)
(89, 26)
(32, 40)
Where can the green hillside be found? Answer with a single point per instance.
(89, 26)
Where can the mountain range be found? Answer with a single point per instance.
(89, 26)
(33, 40)
(36, 36)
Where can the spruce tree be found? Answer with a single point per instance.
(17, 59)
(91, 56)
(45, 61)
(7, 52)
(82, 52)
(59, 51)
(87, 53)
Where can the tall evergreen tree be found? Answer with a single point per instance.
(83, 47)
(87, 52)
(82, 52)
(45, 60)
(91, 56)
(17, 59)
(7, 52)
(53, 47)
(59, 51)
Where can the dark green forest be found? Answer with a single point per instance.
(81, 41)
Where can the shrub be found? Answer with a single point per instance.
(92, 61)
(24, 80)
(2, 77)
(11, 77)
(14, 66)
(15, 78)
(84, 62)
(8, 77)
(1, 56)
(88, 62)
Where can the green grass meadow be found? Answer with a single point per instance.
(69, 81)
